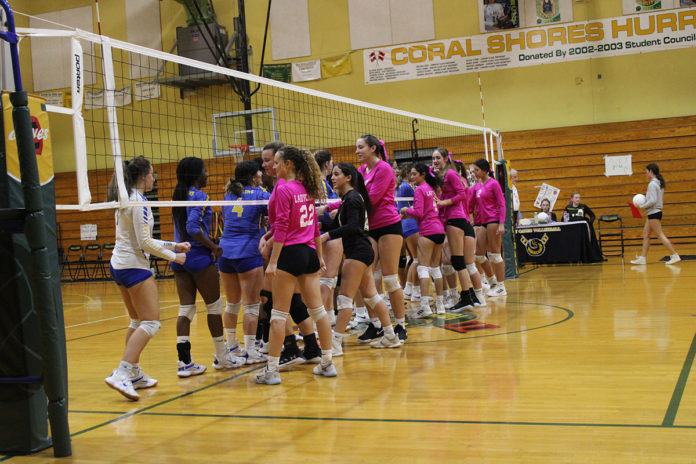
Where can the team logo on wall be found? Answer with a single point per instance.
(535, 246)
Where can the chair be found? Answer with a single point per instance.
(92, 260)
(612, 236)
(107, 251)
(73, 262)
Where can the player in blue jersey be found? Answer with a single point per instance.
(241, 264)
(198, 274)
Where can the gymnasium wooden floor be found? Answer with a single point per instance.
(577, 364)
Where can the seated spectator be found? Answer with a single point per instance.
(578, 211)
(546, 208)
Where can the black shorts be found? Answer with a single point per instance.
(363, 253)
(439, 239)
(488, 223)
(463, 224)
(298, 259)
(657, 215)
(392, 229)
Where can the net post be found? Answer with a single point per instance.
(84, 196)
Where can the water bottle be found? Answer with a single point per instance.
(566, 216)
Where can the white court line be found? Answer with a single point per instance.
(109, 318)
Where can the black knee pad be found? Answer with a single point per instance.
(298, 310)
(458, 263)
(402, 262)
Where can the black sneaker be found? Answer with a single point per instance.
(464, 302)
(290, 356)
(400, 332)
(371, 333)
(474, 299)
(312, 355)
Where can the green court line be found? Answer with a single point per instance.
(673, 407)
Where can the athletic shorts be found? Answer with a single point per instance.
(463, 224)
(298, 259)
(392, 229)
(488, 223)
(363, 253)
(196, 260)
(239, 265)
(438, 239)
(129, 277)
(409, 226)
(657, 215)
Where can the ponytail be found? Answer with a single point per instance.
(188, 171)
(357, 182)
(431, 177)
(306, 169)
(133, 170)
(243, 176)
(655, 169)
(380, 147)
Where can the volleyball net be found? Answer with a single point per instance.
(128, 100)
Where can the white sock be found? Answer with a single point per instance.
(231, 336)
(492, 280)
(376, 322)
(182, 338)
(389, 331)
(361, 311)
(441, 299)
(408, 287)
(250, 342)
(125, 367)
(400, 320)
(220, 346)
(325, 357)
(273, 362)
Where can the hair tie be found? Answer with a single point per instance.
(449, 156)
(430, 169)
(384, 150)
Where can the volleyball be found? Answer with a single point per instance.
(639, 200)
(543, 218)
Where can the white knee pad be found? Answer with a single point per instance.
(215, 308)
(134, 324)
(391, 283)
(435, 272)
(415, 261)
(233, 308)
(447, 269)
(372, 302)
(277, 315)
(495, 258)
(329, 282)
(150, 327)
(422, 272)
(472, 269)
(480, 259)
(317, 313)
(252, 309)
(378, 274)
(344, 302)
(187, 311)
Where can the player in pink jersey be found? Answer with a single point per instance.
(386, 233)
(490, 213)
(460, 233)
(296, 257)
(431, 236)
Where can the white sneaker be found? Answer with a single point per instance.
(120, 382)
(385, 342)
(230, 361)
(415, 297)
(336, 347)
(361, 318)
(332, 317)
(422, 312)
(140, 379)
(407, 292)
(484, 284)
(326, 371)
(187, 370)
(238, 351)
(254, 357)
(261, 347)
(497, 290)
(641, 260)
(675, 258)
(439, 306)
(267, 377)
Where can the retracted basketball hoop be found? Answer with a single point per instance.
(239, 151)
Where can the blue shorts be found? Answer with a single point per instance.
(129, 277)
(239, 265)
(196, 260)
(410, 227)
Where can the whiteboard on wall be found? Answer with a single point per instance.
(143, 28)
(290, 29)
(50, 56)
(375, 23)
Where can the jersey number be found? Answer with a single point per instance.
(306, 215)
(239, 209)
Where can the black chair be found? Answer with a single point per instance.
(73, 262)
(107, 251)
(611, 237)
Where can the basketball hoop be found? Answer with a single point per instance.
(239, 151)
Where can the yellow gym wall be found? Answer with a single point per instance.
(633, 87)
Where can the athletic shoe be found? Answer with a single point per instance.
(327, 371)
(475, 299)
(415, 297)
(140, 379)
(371, 333)
(450, 301)
(407, 292)
(498, 290)
(422, 312)
(336, 347)
(228, 362)
(641, 260)
(400, 332)
(120, 382)
(267, 377)
(238, 351)
(484, 283)
(439, 306)
(464, 303)
(675, 258)
(332, 317)
(255, 357)
(290, 357)
(261, 346)
(312, 356)
(361, 318)
(385, 342)
(187, 370)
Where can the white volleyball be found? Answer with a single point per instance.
(543, 218)
(639, 200)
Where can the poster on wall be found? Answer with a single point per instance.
(547, 11)
(496, 15)
(646, 6)
(687, 3)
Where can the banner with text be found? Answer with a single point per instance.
(625, 35)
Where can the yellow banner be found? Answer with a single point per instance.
(42, 140)
(336, 66)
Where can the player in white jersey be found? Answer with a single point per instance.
(130, 269)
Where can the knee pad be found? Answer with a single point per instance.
(415, 261)
(187, 311)
(277, 315)
(233, 308)
(391, 283)
(458, 262)
(317, 313)
(298, 310)
(378, 274)
(252, 309)
(134, 324)
(447, 269)
(215, 308)
(329, 282)
(372, 302)
(422, 272)
(435, 272)
(150, 327)
(402, 262)
(472, 269)
(495, 258)
(480, 259)
(344, 302)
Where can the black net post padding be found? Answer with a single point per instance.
(508, 245)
